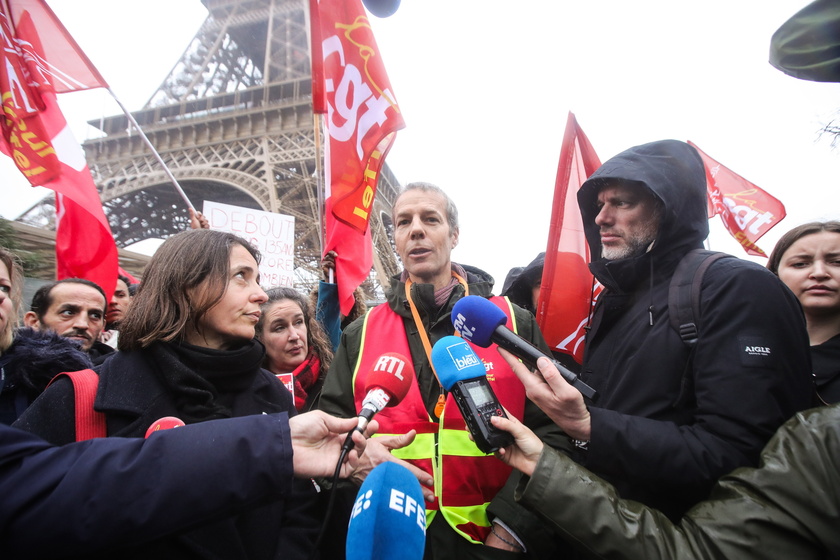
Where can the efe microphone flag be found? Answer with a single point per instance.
(461, 371)
(388, 521)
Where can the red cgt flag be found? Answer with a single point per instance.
(568, 289)
(351, 86)
(747, 211)
(35, 134)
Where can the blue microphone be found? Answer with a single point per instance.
(482, 323)
(388, 521)
(462, 372)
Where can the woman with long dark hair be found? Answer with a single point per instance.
(807, 260)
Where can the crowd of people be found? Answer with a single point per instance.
(642, 472)
(717, 441)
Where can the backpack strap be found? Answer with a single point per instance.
(684, 293)
(89, 422)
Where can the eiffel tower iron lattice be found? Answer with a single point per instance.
(233, 121)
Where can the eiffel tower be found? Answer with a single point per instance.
(233, 122)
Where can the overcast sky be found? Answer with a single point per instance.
(485, 87)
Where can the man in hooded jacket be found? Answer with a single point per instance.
(670, 419)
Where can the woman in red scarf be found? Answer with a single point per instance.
(298, 351)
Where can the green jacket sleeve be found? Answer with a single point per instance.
(786, 508)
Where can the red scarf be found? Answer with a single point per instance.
(306, 374)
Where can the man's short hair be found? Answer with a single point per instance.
(125, 280)
(451, 209)
(42, 300)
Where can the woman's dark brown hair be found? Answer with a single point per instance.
(793, 236)
(186, 277)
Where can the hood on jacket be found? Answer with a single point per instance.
(521, 280)
(675, 175)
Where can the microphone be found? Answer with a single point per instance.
(482, 323)
(388, 521)
(381, 8)
(387, 384)
(462, 372)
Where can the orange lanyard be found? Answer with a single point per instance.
(424, 336)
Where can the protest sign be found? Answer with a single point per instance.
(272, 234)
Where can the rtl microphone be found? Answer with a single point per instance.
(388, 521)
(461, 371)
(387, 384)
(482, 323)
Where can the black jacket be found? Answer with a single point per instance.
(669, 421)
(826, 362)
(137, 388)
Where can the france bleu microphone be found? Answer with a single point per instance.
(386, 385)
(461, 371)
(388, 521)
(482, 323)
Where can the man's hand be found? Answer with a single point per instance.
(560, 401)
(526, 448)
(197, 220)
(328, 267)
(317, 438)
(378, 451)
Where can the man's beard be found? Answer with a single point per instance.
(634, 245)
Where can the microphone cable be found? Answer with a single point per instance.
(345, 449)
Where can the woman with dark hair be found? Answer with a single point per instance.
(807, 260)
(297, 350)
(29, 359)
(187, 350)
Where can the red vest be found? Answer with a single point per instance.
(465, 479)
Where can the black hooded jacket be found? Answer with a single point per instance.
(669, 421)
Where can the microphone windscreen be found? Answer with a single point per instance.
(455, 361)
(388, 521)
(392, 372)
(476, 318)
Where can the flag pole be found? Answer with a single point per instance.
(154, 151)
(316, 65)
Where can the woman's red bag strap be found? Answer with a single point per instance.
(89, 423)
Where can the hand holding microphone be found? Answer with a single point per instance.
(482, 323)
(387, 384)
(317, 443)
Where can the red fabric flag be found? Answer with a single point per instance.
(568, 289)
(36, 136)
(59, 62)
(362, 120)
(746, 210)
(123, 272)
